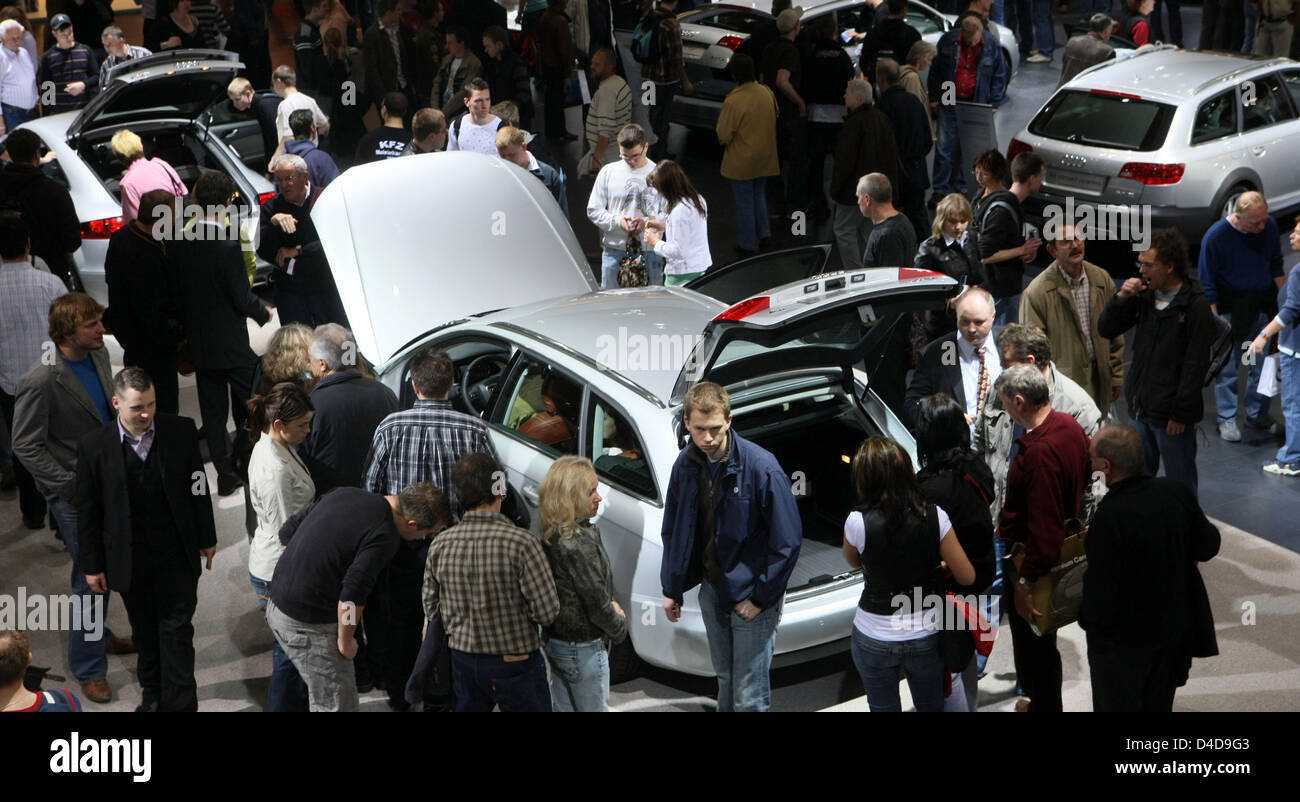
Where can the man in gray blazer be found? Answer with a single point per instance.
(62, 397)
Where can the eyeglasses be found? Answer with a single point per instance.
(1144, 263)
(627, 157)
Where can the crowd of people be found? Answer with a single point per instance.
(344, 491)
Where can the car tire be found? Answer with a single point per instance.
(624, 664)
(1229, 204)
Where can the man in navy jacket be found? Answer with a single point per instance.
(732, 527)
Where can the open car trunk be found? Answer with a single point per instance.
(173, 143)
(813, 440)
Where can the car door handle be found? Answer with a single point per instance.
(530, 495)
(1258, 150)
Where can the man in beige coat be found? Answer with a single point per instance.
(747, 128)
(1065, 301)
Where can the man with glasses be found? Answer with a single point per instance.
(620, 204)
(1170, 353)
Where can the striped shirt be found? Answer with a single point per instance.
(492, 585)
(422, 444)
(25, 297)
(132, 53)
(210, 20)
(63, 67)
(1079, 290)
(611, 109)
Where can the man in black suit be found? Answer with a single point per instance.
(216, 300)
(1145, 607)
(963, 364)
(145, 517)
(387, 55)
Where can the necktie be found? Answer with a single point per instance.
(983, 382)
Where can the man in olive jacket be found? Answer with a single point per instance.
(747, 128)
(1065, 301)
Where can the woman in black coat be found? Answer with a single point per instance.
(959, 481)
(953, 250)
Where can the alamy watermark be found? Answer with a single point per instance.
(41, 612)
(1105, 222)
(654, 352)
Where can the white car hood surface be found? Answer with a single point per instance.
(419, 241)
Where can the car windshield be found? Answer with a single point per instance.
(1104, 120)
(736, 20)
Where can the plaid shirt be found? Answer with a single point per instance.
(25, 297)
(421, 444)
(1080, 290)
(492, 585)
(667, 68)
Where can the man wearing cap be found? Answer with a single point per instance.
(1087, 49)
(72, 67)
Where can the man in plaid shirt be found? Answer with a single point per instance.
(420, 444)
(491, 584)
(667, 71)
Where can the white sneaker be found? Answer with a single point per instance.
(1228, 431)
(1282, 470)
(1038, 58)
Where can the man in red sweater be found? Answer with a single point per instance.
(1049, 470)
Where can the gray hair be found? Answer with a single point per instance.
(1121, 444)
(1026, 341)
(861, 90)
(327, 345)
(921, 51)
(8, 25)
(298, 164)
(1026, 381)
(114, 31)
(877, 187)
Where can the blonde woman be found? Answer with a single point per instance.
(953, 250)
(142, 175)
(589, 618)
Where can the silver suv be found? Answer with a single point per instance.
(1180, 133)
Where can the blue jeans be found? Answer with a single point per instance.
(1252, 22)
(751, 212)
(1175, 22)
(480, 681)
(288, 693)
(14, 117)
(1177, 451)
(579, 676)
(947, 157)
(879, 662)
(741, 652)
(1225, 386)
(996, 13)
(609, 259)
(1289, 453)
(1044, 33)
(993, 598)
(88, 659)
(965, 696)
(1006, 310)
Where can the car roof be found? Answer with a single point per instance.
(1173, 75)
(643, 334)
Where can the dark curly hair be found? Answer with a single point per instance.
(1171, 248)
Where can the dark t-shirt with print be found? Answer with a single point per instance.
(382, 143)
(783, 55)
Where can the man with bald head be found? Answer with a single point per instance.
(1143, 546)
(1241, 273)
(1065, 301)
(963, 364)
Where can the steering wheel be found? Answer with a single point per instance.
(477, 394)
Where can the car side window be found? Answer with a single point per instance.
(1216, 118)
(855, 18)
(543, 405)
(616, 451)
(923, 23)
(480, 368)
(1263, 103)
(1291, 78)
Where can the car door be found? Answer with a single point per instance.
(537, 418)
(1268, 128)
(742, 279)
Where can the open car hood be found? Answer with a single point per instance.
(419, 241)
(176, 85)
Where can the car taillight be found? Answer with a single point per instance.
(1157, 174)
(1016, 148)
(744, 309)
(730, 42)
(1124, 95)
(905, 273)
(263, 197)
(101, 229)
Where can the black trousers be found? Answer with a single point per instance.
(821, 143)
(1135, 679)
(161, 367)
(394, 627)
(660, 114)
(1038, 662)
(219, 390)
(161, 606)
(30, 500)
(553, 99)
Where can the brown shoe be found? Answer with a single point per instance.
(121, 646)
(97, 691)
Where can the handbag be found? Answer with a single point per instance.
(632, 270)
(1057, 594)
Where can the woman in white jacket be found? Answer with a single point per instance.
(279, 485)
(682, 238)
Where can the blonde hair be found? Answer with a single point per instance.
(1250, 200)
(508, 137)
(239, 86)
(952, 207)
(564, 497)
(706, 398)
(286, 355)
(127, 145)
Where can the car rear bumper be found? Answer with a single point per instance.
(1191, 222)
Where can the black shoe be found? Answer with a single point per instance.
(1264, 423)
(399, 705)
(7, 479)
(744, 252)
(227, 485)
(764, 243)
(147, 707)
(34, 523)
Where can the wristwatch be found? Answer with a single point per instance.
(1024, 581)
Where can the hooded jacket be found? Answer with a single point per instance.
(320, 167)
